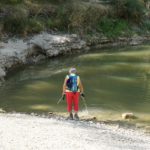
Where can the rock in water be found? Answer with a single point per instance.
(2, 110)
(128, 116)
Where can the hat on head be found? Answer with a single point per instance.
(72, 70)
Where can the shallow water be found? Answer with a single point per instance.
(115, 81)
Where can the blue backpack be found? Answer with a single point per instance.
(72, 83)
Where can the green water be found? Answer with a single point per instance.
(115, 81)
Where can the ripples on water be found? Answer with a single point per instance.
(115, 82)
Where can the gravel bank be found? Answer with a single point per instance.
(25, 132)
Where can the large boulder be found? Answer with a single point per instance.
(14, 52)
(53, 45)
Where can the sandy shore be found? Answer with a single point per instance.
(25, 132)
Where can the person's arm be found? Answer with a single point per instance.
(64, 86)
(81, 86)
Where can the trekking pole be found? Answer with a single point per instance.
(84, 103)
(62, 98)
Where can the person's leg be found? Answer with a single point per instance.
(69, 103)
(76, 104)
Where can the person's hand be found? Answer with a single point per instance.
(63, 96)
(82, 95)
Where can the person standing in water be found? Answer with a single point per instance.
(73, 88)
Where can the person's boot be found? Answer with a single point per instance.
(70, 117)
(76, 117)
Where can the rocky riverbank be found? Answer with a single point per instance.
(26, 132)
(15, 52)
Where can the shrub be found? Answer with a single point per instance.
(11, 1)
(133, 10)
(113, 27)
(62, 17)
(54, 24)
(50, 23)
(145, 26)
(16, 20)
(84, 17)
(34, 26)
(15, 25)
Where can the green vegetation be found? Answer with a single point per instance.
(113, 28)
(132, 10)
(111, 18)
(12, 2)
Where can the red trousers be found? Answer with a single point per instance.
(72, 99)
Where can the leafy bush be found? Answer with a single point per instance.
(84, 17)
(33, 16)
(55, 24)
(145, 26)
(11, 1)
(14, 25)
(62, 17)
(16, 20)
(34, 26)
(50, 23)
(133, 10)
(113, 27)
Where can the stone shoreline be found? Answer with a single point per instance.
(15, 51)
(26, 132)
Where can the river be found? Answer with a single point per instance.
(116, 80)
